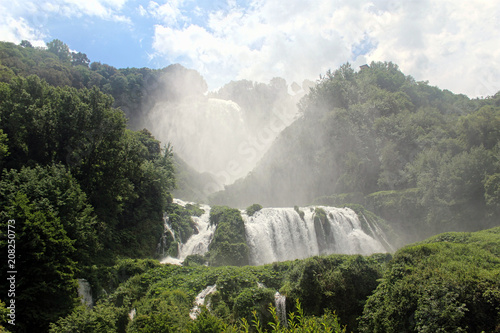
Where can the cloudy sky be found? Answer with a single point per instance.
(453, 44)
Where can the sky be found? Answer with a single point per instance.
(453, 44)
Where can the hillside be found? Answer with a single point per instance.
(423, 158)
(448, 283)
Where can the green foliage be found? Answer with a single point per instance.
(134, 90)
(338, 283)
(298, 322)
(82, 188)
(102, 318)
(402, 205)
(124, 174)
(253, 209)
(163, 295)
(3, 317)
(205, 323)
(321, 226)
(320, 216)
(45, 253)
(492, 192)
(4, 148)
(194, 210)
(448, 283)
(194, 260)
(54, 189)
(60, 49)
(229, 245)
(180, 221)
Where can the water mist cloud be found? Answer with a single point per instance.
(214, 133)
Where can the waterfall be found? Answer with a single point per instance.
(197, 243)
(85, 292)
(132, 313)
(200, 300)
(280, 303)
(161, 248)
(279, 234)
(199, 128)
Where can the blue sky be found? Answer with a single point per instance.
(452, 44)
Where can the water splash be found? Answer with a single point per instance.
(132, 313)
(162, 246)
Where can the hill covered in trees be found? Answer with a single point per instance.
(425, 159)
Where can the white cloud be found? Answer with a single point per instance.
(450, 43)
(30, 19)
(169, 13)
(16, 30)
(142, 11)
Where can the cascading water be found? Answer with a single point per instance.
(280, 303)
(85, 292)
(200, 300)
(162, 247)
(197, 243)
(199, 128)
(279, 234)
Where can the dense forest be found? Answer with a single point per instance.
(88, 186)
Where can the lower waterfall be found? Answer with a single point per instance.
(280, 303)
(280, 234)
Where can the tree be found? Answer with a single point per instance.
(60, 49)
(125, 175)
(45, 285)
(54, 189)
(79, 59)
(25, 43)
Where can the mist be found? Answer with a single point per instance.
(226, 132)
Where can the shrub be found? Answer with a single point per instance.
(253, 209)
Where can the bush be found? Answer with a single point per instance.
(253, 209)
(229, 245)
(194, 260)
(448, 283)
